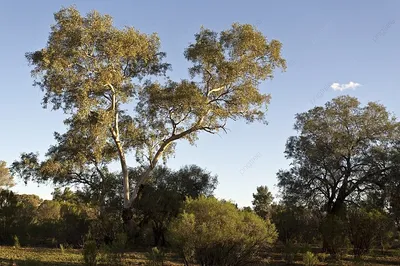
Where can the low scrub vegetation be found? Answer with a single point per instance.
(211, 232)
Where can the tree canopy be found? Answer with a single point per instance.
(262, 201)
(94, 72)
(6, 179)
(343, 152)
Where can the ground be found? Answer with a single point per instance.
(55, 257)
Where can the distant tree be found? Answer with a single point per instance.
(49, 210)
(262, 201)
(8, 213)
(247, 209)
(295, 224)
(26, 216)
(343, 151)
(90, 70)
(6, 180)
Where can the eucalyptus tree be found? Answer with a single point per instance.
(6, 179)
(101, 77)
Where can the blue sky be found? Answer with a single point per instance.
(323, 42)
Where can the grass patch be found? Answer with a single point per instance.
(73, 257)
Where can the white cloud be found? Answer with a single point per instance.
(341, 87)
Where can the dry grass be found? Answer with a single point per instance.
(54, 257)
(73, 257)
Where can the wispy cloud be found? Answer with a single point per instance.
(341, 87)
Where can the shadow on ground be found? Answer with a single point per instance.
(30, 262)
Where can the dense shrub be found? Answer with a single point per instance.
(114, 252)
(309, 259)
(90, 253)
(366, 227)
(295, 224)
(289, 252)
(16, 242)
(333, 229)
(212, 232)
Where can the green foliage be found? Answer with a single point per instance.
(92, 70)
(343, 153)
(62, 248)
(322, 256)
(114, 253)
(262, 201)
(155, 258)
(16, 242)
(333, 229)
(6, 179)
(295, 224)
(289, 252)
(363, 140)
(163, 196)
(304, 248)
(90, 253)
(49, 211)
(309, 259)
(213, 232)
(367, 227)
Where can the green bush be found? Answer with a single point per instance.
(322, 256)
(367, 227)
(212, 232)
(114, 253)
(155, 258)
(333, 229)
(16, 242)
(309, 259)
(62, 249)
(90, 253)
(289, 252)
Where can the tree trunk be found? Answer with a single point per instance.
(331, 230)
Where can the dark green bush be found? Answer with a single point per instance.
(289, 252)
(309, 259)
(90, 253)
(333, 229)
(114, 253)
(155, 258)
(211, 232)
(365, 228)
(16, 242)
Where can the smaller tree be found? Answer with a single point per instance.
(6, 180)
(8, 214)
(295, 224)
(164, 195)
(48, 211)
(212, 232)
(262, 202)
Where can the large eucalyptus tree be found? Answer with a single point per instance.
(94, 72)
